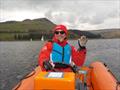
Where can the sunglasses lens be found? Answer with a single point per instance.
(56, 32)
(61, 32)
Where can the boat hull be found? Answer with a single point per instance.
(97, 77)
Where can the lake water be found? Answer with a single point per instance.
(17, 58)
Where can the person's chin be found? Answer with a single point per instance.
(60, 40)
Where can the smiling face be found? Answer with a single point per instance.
(60, 35)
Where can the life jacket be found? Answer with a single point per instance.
(61, 54)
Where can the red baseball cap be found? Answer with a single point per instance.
(61, 27)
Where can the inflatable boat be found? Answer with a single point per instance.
(96, 76)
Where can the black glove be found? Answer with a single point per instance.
(75, 69)
(80, 47)
(47, 65)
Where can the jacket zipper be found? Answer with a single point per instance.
(63, 56)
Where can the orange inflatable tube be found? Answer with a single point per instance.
(101, 78)
(28, 83)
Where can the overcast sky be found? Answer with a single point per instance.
(76, 14)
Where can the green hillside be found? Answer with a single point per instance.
(26, 25)
(36, 28)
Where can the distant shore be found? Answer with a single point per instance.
(37, 28)
(51, 39)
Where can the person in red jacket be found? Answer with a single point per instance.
(59, 54)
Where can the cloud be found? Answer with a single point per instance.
(74, 13)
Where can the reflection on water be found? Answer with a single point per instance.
(18, 58)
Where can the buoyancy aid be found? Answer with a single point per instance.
(61, 54)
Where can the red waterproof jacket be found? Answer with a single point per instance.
(78, 56)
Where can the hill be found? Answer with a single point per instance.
(36, 28)
(26, 25)
(102, 33)
(108, 33)
(26, 29)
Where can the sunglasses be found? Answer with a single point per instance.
(61, 32)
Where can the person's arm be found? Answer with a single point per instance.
(79, 55)
(44, 54)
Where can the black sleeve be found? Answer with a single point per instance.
(80, 47)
